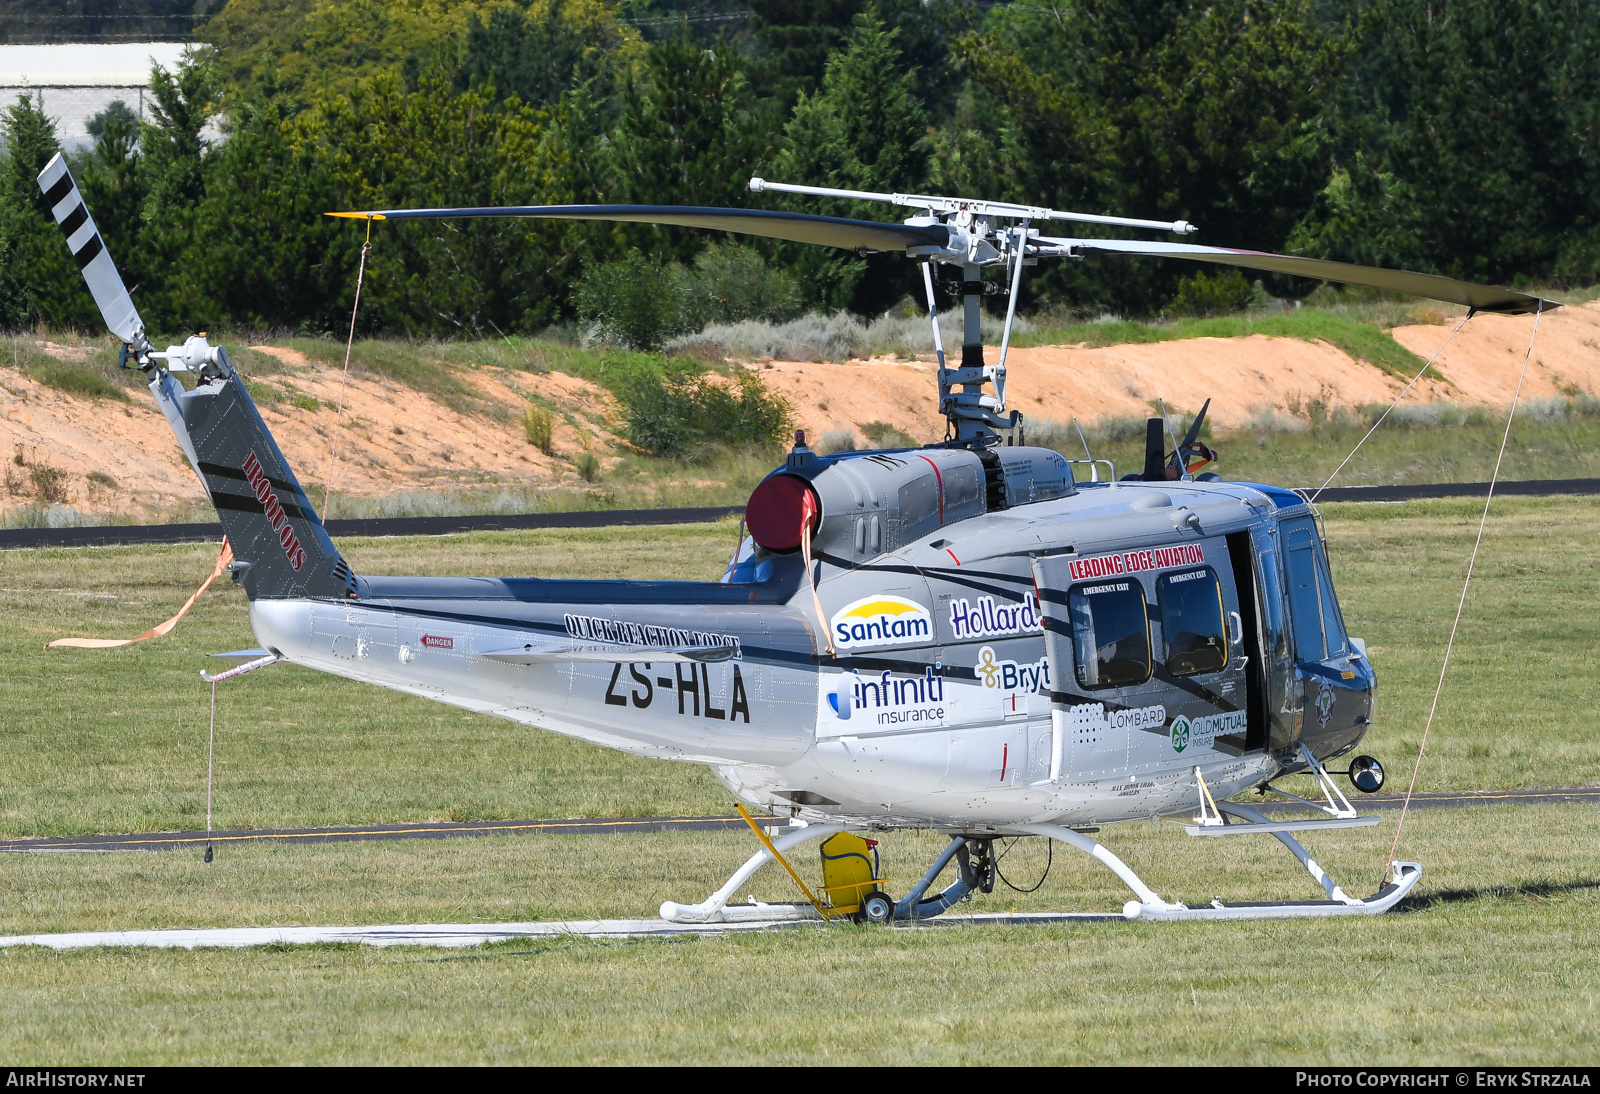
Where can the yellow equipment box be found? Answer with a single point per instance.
(849, 870)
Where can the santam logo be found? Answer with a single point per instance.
(881, 621)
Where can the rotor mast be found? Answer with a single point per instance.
(982, 233)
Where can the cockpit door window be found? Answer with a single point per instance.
(1318, 628)
(1191, 622)
(1110, 634)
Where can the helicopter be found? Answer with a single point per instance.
(976, 636)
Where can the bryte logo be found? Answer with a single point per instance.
(1011, 675)
(881, 621)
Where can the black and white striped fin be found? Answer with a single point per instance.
(105, 284)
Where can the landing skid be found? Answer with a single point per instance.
(1148, 905)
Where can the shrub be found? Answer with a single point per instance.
(633, 302)
(588, 465)
(539, 424)
(840, 336)
(672, 415)
(49, 483)
(838, 440)
(1219, 294)
(73, 379)
(884, 435)
(731, 284)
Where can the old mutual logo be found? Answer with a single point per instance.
(881, 621)
(1180, 733)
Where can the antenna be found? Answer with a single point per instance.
(1086, 453)
(1166, 419)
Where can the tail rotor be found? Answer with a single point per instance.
(99, 272)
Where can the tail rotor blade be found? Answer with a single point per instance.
(1194, 430)
(105, 284)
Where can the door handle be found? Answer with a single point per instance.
(1238, 627)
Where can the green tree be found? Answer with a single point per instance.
(541, 53)
(42, 283)
(264, 254)
(864, 131)
(799, 37)
(388, 147)
(174, 160)
(112, 183)
(691, 133)
(1212, 112)
(1484, 161)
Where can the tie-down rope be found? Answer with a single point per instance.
(160, 628)
(1465, 585)
(344, 377)
(1392, 405)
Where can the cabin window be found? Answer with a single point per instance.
(1110, 634)
(1332, 622)
(1191, 622)
(1318, 628)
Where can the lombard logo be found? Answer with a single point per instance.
(881, 621)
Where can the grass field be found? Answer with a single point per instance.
(1490, 961)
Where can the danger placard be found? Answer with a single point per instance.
(1133, 562)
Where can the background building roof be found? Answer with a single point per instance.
(86, 64)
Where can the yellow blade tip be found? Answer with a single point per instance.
(358, 216)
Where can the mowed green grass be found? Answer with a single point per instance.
(1490, 962)
(115, 740)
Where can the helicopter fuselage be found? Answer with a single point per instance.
(1072, 661)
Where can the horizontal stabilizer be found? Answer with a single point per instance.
(853, 235)
(531, 655)
(242, 655)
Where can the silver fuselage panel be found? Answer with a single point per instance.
(942, 704)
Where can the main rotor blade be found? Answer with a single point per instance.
(1481, 297)
(852, 235)
(83, 238)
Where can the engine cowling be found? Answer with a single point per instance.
(862, 505)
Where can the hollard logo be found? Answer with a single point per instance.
(881, 621)
(987, 617)
(273, 508)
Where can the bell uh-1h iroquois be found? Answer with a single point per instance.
(964, 636)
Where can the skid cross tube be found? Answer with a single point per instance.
(715, 909)
(766, 841)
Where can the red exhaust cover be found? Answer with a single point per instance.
(779, 509)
